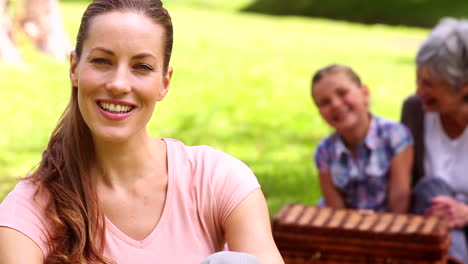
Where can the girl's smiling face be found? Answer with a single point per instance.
(120, 75)
(341, 102)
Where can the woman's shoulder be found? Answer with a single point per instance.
(387, 123)
(212, 166)
(389, 128)
(413, 100)
(205, 156)
(392, 135)
(23, 210)
(412, 109)
(25, 197)
(330, 139)
(25, 190)
(329, 143)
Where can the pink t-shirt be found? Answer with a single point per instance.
(204, 186)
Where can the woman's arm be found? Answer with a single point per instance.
(17, 248)
(247, 229)
(331, 195)
(399, 182)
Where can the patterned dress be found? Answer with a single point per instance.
(363, 180)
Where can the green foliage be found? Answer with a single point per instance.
(423, 13)
(241, 84)
(231, 5)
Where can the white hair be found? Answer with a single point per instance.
(445, 52)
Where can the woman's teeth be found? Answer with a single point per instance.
(115, 108)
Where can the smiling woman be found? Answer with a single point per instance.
(437, 117)
(106, 191)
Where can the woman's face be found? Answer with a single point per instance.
(437, 95)
(120, 74)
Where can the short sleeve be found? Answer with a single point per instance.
(322, 157)
(400, 138)
(233, 187)
(21, 211)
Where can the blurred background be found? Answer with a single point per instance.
(241, 83)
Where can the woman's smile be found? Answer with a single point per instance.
(115, 110)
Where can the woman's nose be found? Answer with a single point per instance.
(119, 82)
(334, 102)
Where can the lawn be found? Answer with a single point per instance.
(240, 84)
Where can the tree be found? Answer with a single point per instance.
(420, 13)
(43, 24)
(8, 51)
(40, 20)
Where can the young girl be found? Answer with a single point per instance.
(366, 163)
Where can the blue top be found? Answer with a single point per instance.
(363, 180)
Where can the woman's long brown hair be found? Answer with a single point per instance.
(76, 224)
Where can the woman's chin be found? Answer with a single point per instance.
(345, 122)
(431, 108)
(344, 126)
(110, 137)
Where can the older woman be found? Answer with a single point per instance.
(441, 139)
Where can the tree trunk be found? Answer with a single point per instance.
(8, 51)
(42, 23)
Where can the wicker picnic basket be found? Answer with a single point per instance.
(321, 235)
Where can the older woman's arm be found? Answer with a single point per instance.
(247, 229)
(399, 183)
(17, 248)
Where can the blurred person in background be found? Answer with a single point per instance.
(366, 162)
(435, 117)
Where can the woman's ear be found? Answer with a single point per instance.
(166, 84)
(73, 66)
(366, 93)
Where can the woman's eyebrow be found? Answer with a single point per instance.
(110, 52)
(143, 55)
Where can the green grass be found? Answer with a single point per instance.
(241, 84)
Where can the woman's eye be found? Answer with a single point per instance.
(425, 84)
(342, 93)
(144, 67)
(100, 61)
(325, 102)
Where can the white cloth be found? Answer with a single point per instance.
(229, 257)
(446, 158)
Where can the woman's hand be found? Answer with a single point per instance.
(455, 211)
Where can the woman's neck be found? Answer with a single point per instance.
(452, 126)
(353, 137)
(124, 163)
